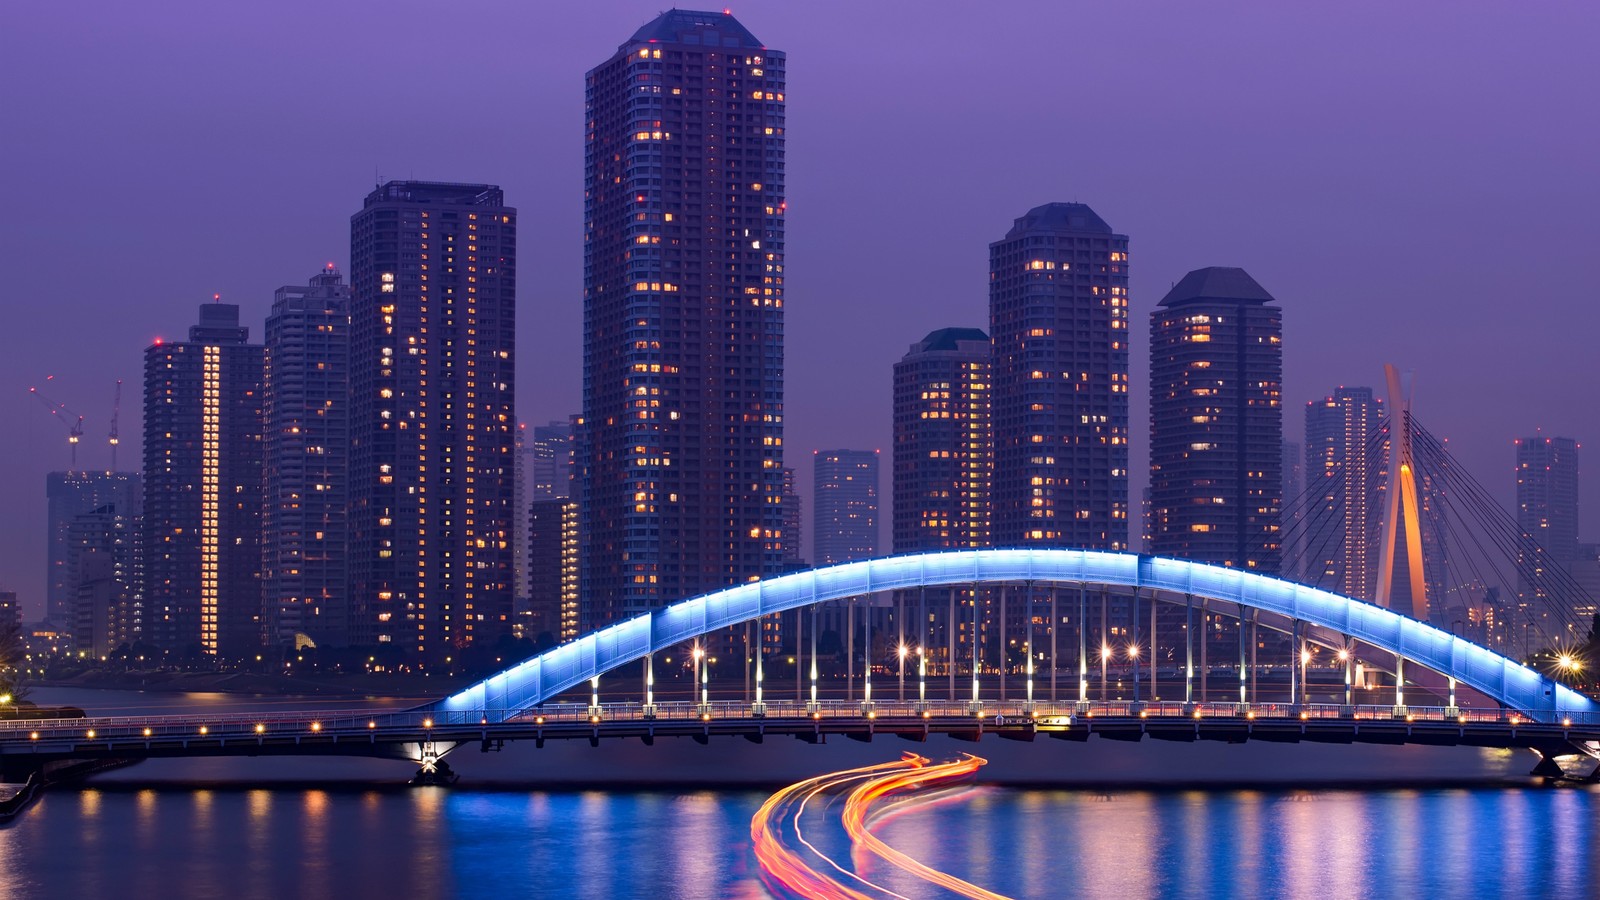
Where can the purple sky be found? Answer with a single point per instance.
(1415, 182)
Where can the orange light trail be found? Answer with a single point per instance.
(786, 869)
(859, 806)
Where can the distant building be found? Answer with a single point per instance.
(943, 446)
(547, 569)
(69, 495)
(544, 465)
(1346, 461)
(793, 554)
(203, 488)
(844, 492)
(1547, 514)
(680, 456)
(1216, 422)
(1058, 316)
(550, 453)
(10, 611)
(103, 561)
(432, 467)
(304, 536)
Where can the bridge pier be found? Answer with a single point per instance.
(433, 770)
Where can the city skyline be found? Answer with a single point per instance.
(1171, 234)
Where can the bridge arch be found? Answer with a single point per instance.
(544, 676)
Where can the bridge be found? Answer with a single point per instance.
(1514, 706)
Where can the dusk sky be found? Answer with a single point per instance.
(1416, 183)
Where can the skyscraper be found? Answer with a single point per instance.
(550, 455)
(680, 452)
(203, 488)
(1216, 422)
(307, 461)
(432, 467)
(1058, 315)
(844, 511)
(793, 557)
(943, 449)
(103, 559)
(1547, 513)
(1345, 465)
(69, 495)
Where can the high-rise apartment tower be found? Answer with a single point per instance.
(1216, 422)
(1058, 316)
(307, 461)
(203, 488)
(680, 452)
(432, 467)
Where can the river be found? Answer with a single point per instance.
(514, 827)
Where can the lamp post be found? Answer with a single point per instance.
(903, 652)
(703, 672)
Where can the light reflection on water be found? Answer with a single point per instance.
(437, 842)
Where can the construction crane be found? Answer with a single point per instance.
(116, 414)
(72, 420)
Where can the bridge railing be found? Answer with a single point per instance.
(391, 725)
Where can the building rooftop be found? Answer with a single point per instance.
(1060, 217)
(437, 192)
(1217, 283)
(687, 26)
(949, 339)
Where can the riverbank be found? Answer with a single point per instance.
(336, 685)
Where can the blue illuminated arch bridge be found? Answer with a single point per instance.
(1524, 708)
(1326, 618)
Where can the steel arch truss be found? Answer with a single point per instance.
(544, 676)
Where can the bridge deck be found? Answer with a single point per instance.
(389, 733)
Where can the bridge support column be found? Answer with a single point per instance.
(649, 710)
(1105, 641)
(1347, 654)
(1055, 624)
(594, 697)
(1188, 653)
(1452, 711)
(950, 648)
(1399, 686)
(1294, 650)
(812, 707)
(1028, 646)
(1083, 649)
(977, 654)
(922, 679)
(759, 707)
(1205, 656)
(1004, 656)
(1244, 669)
(1155, 691)
(866, 659)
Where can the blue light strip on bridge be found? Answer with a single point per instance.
(548, 674)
